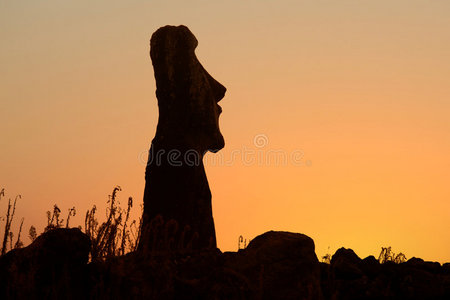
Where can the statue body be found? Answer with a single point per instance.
(177, 198)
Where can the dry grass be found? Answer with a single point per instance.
(242, 243)
(7, 233)
(116, 236)
(386, 255)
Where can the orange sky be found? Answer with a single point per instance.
(361, 88)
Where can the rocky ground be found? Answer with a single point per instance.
(275, 265)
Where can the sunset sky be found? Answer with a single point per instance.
(355, 95)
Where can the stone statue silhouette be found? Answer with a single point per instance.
(176, 188)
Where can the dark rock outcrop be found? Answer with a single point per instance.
(349, 277)
(52, 267)
(279, 265)
(176, 188)
(275, 265)
(345, 264)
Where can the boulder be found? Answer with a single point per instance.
(52, 267)
(345, 264)
(279, 265)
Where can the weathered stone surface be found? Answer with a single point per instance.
(52, 267)
(176, 185)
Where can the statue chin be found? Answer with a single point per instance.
(217, 144)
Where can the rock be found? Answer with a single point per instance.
(275, 265)
(418, 279)
(53, 266)
(446, 268)
(326, 280)
(370, 266)
(200, 276)
(446, 280)
(347, 278)
(345, 264)
(279, 265)
(132, 277)
(414, 261)
(176, 189)
(352, 278)
(204, 276)
(418, 263)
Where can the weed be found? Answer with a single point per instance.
(72, 212)
(53, 219)
(242, 243)
(19, 243)
(327, 257)
(9, 218)
(386, 255)
(32, 233)
(113, 237)
(116, 236)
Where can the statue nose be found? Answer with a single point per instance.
(219, 91)
(217, 88)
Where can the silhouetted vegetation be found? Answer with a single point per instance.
(19, 243)
(113, 237)
(7, 234)
(327, 257)
(116, 236)
(54, 219)
(242, 243)
(32, 234)
(386, 255)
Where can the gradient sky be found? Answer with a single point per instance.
(360, 88)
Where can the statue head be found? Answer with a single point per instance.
(187, 95)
